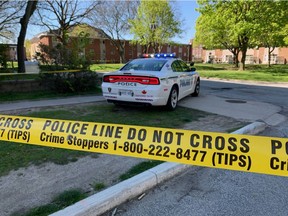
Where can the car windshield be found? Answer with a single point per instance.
(145, 64)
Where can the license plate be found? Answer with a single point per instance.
(126, 92)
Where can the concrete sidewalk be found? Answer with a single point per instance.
(49, 102)
(250, 111)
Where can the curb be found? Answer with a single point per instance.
(104, 201)
(253, 128)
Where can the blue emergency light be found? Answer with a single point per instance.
(159, 55)
(165, 55)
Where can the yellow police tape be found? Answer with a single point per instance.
(228, 151)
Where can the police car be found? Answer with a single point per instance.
(154, 79)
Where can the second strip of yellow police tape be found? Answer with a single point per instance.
(256, 154)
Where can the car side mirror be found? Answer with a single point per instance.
(193, 69)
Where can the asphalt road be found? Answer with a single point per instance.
(275, 95)
(262, 93)
(202, 191)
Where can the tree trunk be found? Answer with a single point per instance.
(244, 47)
(30, 8)
(121, 51)
(269, 57)
(270, 50)
(242, 63)
(235, 52)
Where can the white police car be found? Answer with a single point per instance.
(157, 80)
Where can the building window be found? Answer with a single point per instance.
(54, 41)
(273, 58)
(249, 59)
(229, 59)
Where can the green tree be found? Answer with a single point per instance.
(271, 34)
(155, 24)
(237, 23)
(214, 31)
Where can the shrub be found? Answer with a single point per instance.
(67, 82)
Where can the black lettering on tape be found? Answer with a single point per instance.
(207, 141)
(168, 137)
(134, 134)
(277, 164)
(232, 144)
(194, 143)
(65, 127)
(179, 136)
(7, 123)
(245, 147)
(106, 131)
(44, 137)
(1, 121)
(242, 161)
(277, 145)
(220, 143)
(16, 123)
(157, 136)
(86, 143)
(46, 124)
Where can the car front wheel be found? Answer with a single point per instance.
(173, 99)
(197, 89)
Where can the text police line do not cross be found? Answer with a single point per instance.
(257, 154)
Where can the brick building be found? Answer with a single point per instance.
(257, 55)
(11, 52)
(101, 49)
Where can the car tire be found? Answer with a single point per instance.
(197, 89)
(173, 99)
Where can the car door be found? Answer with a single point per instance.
(184, 77)
(189, 78)
(184, 81)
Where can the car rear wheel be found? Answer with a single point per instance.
(197, 89)
(173, 99)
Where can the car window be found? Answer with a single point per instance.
(184, 66)
(176, 66)
(145, 64)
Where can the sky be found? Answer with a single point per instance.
(186, 11)
(189, 14)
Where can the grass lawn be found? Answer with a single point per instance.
(36, 95)
(276, 73)
(14, 155)
(105, 67)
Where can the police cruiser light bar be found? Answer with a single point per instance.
(159, 55)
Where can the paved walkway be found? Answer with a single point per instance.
(49, 102)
